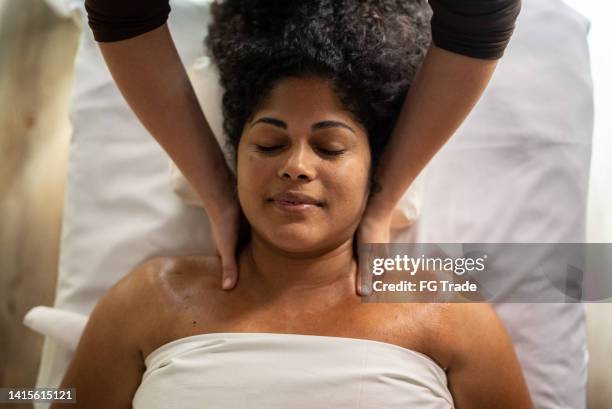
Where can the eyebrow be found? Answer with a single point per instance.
(318, 126)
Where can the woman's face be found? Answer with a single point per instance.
(302, 168)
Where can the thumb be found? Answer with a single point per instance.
(364, 279)
(230, 269)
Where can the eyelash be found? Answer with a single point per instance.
(270, 149)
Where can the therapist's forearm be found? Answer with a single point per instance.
(444, 91)
(152, 79)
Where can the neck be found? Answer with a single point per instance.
(275, 273)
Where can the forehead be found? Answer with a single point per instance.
(307, 99)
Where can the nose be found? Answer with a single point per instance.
(298, 164)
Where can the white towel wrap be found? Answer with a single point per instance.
(274, 371)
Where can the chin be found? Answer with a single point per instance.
(294, 239)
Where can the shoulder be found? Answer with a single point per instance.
(109, 355)
(131, 314)
(456, 328)
(159, 281)
(170, 273)
(157, 287)
(451, 330)
(159, 292)
(482, 366)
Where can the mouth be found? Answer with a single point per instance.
(294, 207)
(295, 202)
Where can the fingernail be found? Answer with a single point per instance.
(227, 283)
(365, 289)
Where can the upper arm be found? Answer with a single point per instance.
(484, 371)
(107, 366)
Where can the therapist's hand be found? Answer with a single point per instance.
(375, 227)
(225, 228)
(378, 225)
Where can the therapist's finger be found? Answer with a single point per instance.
(227, 251)
(230, 271)
(363, 252)
(373, 235)
(364, 277)
(225, 233)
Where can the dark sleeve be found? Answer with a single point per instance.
(114, 20)
(476, 28)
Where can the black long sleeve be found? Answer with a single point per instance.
(476, 28)
(115, 20)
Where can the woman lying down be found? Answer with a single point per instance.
(311, 95)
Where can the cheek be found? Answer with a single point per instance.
(349, 186)
(245, 176)
(254, 175)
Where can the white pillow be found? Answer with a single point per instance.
(64, 327)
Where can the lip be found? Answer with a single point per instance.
(295, 202)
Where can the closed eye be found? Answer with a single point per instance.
(332, 152)
(262, 148)
(327, 152)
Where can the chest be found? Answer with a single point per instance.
(403, 325)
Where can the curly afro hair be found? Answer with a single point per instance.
(370, 50)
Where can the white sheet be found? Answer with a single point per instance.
(271, 371)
